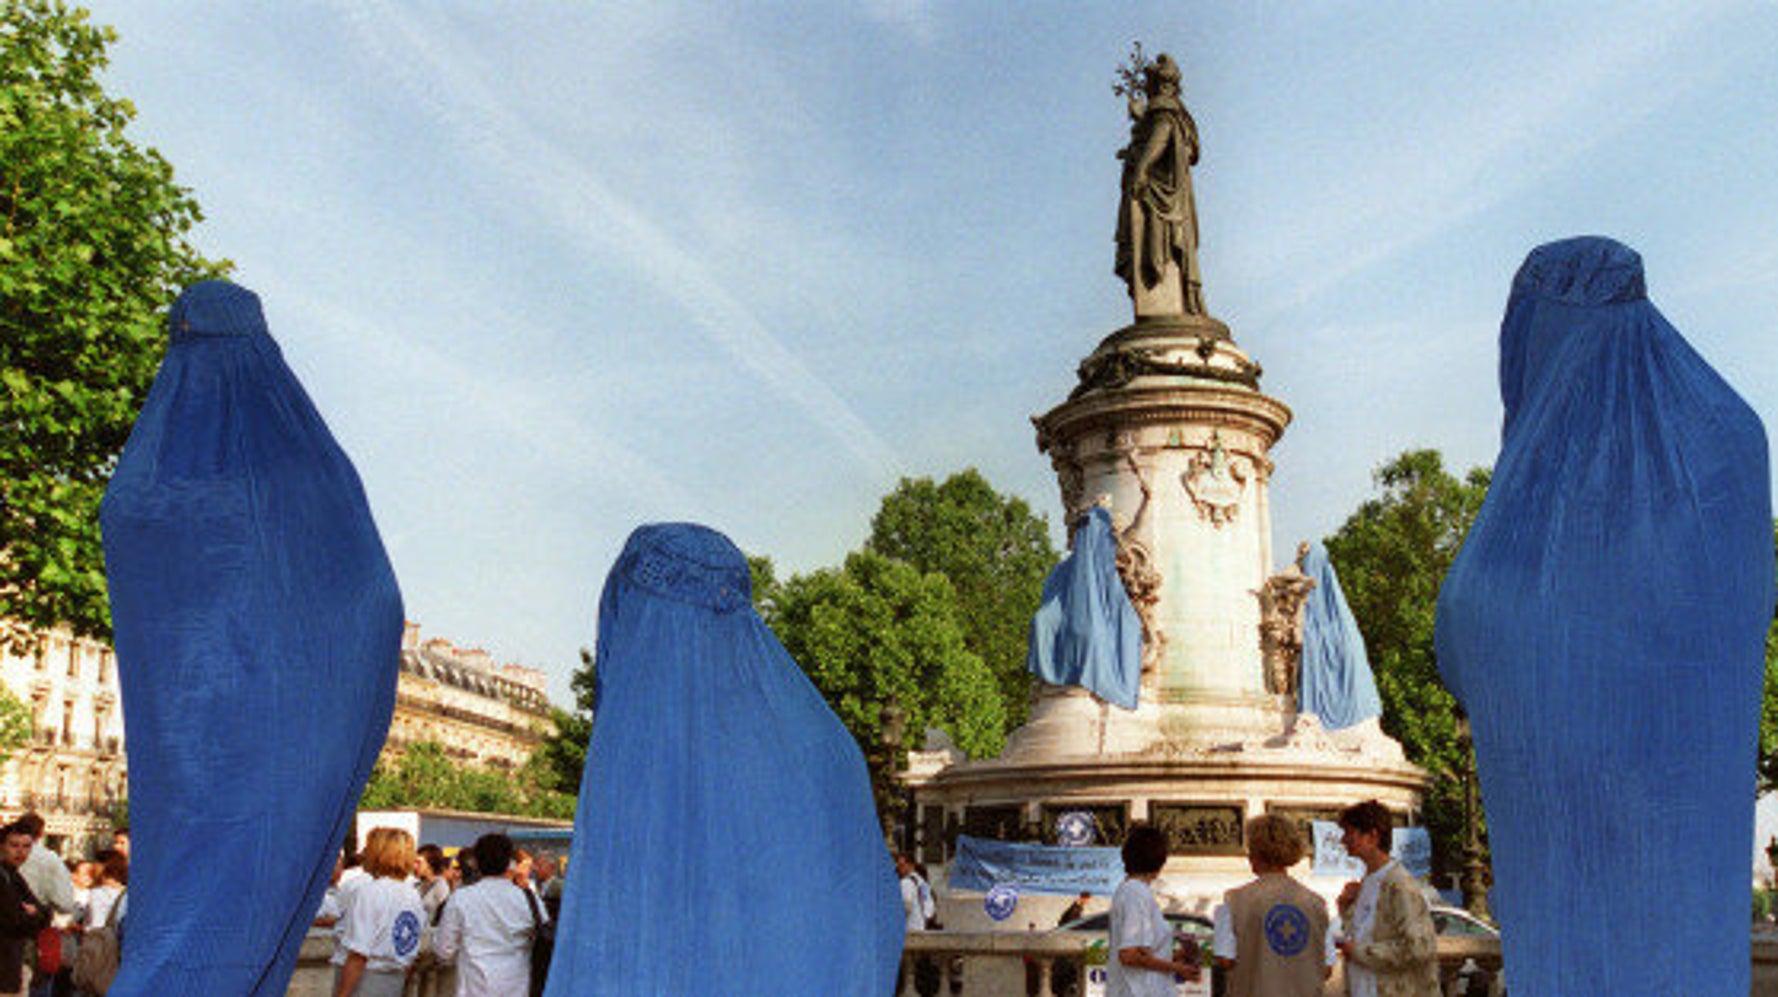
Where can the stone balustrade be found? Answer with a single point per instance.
(1009, 964)
(1005, 964)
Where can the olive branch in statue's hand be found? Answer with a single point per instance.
(1130, 77)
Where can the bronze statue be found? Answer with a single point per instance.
(1157, 219)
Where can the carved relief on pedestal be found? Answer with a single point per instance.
(1281, 625)
(1216, 482)
(1135, 562)
(1073, 481)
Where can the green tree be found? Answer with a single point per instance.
(424, 775)
(877, 630)
(15, 723)
(561, 759)
(1392, 555)
(93, 245)
(995, 551)
(1768, 714)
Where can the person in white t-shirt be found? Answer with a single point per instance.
(487, 928)
(380, 930)
(1141, 944)
(429, 868)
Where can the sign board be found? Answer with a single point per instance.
(982, 864)
(1411, 846)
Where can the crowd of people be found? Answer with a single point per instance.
(490, 912)
(50, 908)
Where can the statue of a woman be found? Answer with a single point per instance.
(1157, 220)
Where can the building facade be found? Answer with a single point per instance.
(72, 769)
(482, 713)
(74, 772)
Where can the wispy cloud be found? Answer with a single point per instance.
(566, 193)
(515, 410)
(916, 18)
(1459, 167)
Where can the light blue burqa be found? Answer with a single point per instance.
(1085, 632)
(1337, 684)
(1604, 626)
(258, 635)
(726, 842)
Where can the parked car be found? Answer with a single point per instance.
(1455, 922)
(1193, 926)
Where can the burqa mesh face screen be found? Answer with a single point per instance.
(726, 841)
(258, 634)
(1604, 626)
(1085, 632)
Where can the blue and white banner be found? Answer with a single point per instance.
(982, 864)
(1411, 846)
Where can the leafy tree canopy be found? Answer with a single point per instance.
(93, 245)
(424, 775)
(1392, 555)
(877, 629)
(996, 553)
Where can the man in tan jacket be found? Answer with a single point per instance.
(1274, 939)
(1389, 941)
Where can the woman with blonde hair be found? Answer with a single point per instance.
(382, 920)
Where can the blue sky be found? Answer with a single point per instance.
(555, 270)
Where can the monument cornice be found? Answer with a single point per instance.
(1097, 774)
(1169, 405)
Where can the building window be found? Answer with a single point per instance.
(73, 660)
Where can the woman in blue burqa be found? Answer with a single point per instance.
(726, 841)
(258, 634)
(1604, 626)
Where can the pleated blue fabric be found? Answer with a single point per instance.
(1085, 632)
(1337, 684)
(726, 841)
(258, 636)
(1604, 626)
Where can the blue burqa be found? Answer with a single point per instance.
(1086, 632)
(726, 842)
(1604, 626)
(258, 634)
(1337, 684)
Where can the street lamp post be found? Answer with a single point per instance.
(893, 721)
(1474, 882)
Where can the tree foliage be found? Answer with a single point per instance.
(424, 775)
(996, 553)
(16, 723)
(877, 630)
(561, 759)
(1392, 554)
(1768, 714)
(93, 245)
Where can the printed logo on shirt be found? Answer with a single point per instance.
(405, 936)
(1287, 930)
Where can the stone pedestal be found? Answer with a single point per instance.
(1168, 426)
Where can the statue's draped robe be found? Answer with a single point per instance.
(1085, 632)
(258, 637)
(726, 841)
(1604, 626)
(1168, 210)
(1337, 684)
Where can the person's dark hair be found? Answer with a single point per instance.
(1370, 816)
(350, 859)
(16, 827)
(32, 823)
(1145, 850)
(435, 858)
(493, 853)
(116, 863)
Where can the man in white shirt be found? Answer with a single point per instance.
(1390, 944)
(487, 928)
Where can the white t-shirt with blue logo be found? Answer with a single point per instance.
(383, 924)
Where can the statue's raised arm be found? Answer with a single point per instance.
(1157, 219)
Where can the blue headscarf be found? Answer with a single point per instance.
(1604, 626)
(1337, 684)
(726, 841)
(1085, 632)
(258, 634)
